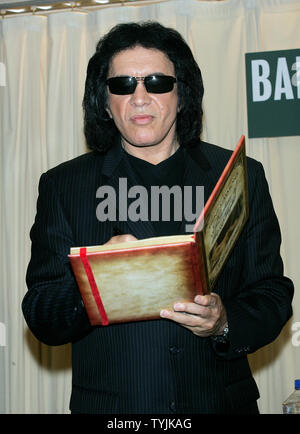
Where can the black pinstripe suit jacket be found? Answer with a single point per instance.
(153, 366)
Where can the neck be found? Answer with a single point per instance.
(154, 154)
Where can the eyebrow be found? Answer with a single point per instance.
(152, 73)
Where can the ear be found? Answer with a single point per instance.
(108, 111)
(179, 106)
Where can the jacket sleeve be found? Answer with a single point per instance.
(52, 307)
(261, 303)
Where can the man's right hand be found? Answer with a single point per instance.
(125, 238)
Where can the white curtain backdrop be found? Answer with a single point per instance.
(44, 60)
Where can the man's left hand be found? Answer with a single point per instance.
(206, 316)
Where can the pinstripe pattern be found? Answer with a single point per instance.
(153, 366)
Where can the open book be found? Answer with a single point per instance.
(133, 281)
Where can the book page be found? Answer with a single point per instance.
(155, 241)
(226, 219)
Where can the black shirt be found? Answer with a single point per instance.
(169, 173)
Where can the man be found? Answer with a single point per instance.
(143, 120)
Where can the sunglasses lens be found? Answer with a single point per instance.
(153, 84)
(122, 85)
(159, 83)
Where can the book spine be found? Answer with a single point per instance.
(200, 266)
(93, 285)
(196, 268)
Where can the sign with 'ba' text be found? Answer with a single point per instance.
(273, 93)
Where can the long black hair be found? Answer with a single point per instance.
(100, 130)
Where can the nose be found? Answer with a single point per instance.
(140, 96)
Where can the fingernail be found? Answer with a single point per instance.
(178, 306)
(164, 313)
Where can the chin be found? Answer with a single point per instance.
(142, 142)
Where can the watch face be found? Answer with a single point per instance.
(222, 338)
(225, 331)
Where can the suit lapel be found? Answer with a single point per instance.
(197, 172)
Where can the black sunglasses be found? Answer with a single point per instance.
(153, 84)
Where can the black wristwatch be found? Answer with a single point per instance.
(223, 338)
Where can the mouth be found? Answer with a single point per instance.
(141, 119)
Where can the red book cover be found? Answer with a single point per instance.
(133, 281)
